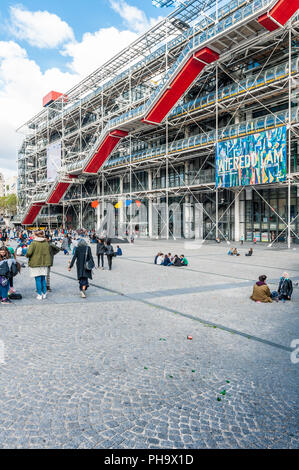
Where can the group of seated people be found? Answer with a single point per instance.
(168, 260)
(234, 252)
(262, 294)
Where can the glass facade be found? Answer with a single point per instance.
(266, 215)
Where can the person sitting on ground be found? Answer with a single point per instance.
(184, 261)
(119, 251)
(230, 252)
(160, 259)
(176, 261)
(285, 288)
(261, 291)
(166, 261)
(250, 252)
(156, 258)
(235, 252)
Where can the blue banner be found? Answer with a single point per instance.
(254, 159)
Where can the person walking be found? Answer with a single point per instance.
(4, 236)
(65, 244)
(109, 253)
(39, 260)
(85, 264)
(100, 251)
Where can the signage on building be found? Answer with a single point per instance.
(255, 159)
(53, 160)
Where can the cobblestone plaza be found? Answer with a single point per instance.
(117, 371)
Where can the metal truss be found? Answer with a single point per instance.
(77, 120)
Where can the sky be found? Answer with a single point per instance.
(51, 45)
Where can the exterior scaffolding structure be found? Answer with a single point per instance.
(116, 147)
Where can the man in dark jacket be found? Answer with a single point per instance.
(4, 236)
(285, 288)
(83, 256)
(109, 250)
(100, 252)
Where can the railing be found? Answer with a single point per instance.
(207, 139)
(253, 82)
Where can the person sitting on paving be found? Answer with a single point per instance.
(119, 251)
(261, 291)
(166, 261)
(250, 252)
(285, 288)
(160, 259)
(176, 261)
(235, 252)
(184, 261)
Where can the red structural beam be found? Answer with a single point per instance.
(33, 213)
(279, 14)
(58, 192)
(180, 84)
(104, 151)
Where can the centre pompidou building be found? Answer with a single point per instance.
(200, 111)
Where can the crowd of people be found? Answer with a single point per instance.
(168, 260)
(40, 247)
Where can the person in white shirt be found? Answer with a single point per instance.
(160, 259)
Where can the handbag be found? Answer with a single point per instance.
(88, 265)
(3, 281)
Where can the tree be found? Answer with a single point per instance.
(8, 204)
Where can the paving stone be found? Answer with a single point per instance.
(75, 375)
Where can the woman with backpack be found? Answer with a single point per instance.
(14, 269)
(4, 276)
(109, 250)
(9, 268)
(39, 261)
(85, 265)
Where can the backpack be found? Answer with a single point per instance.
(14, 269)
(4, 268)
